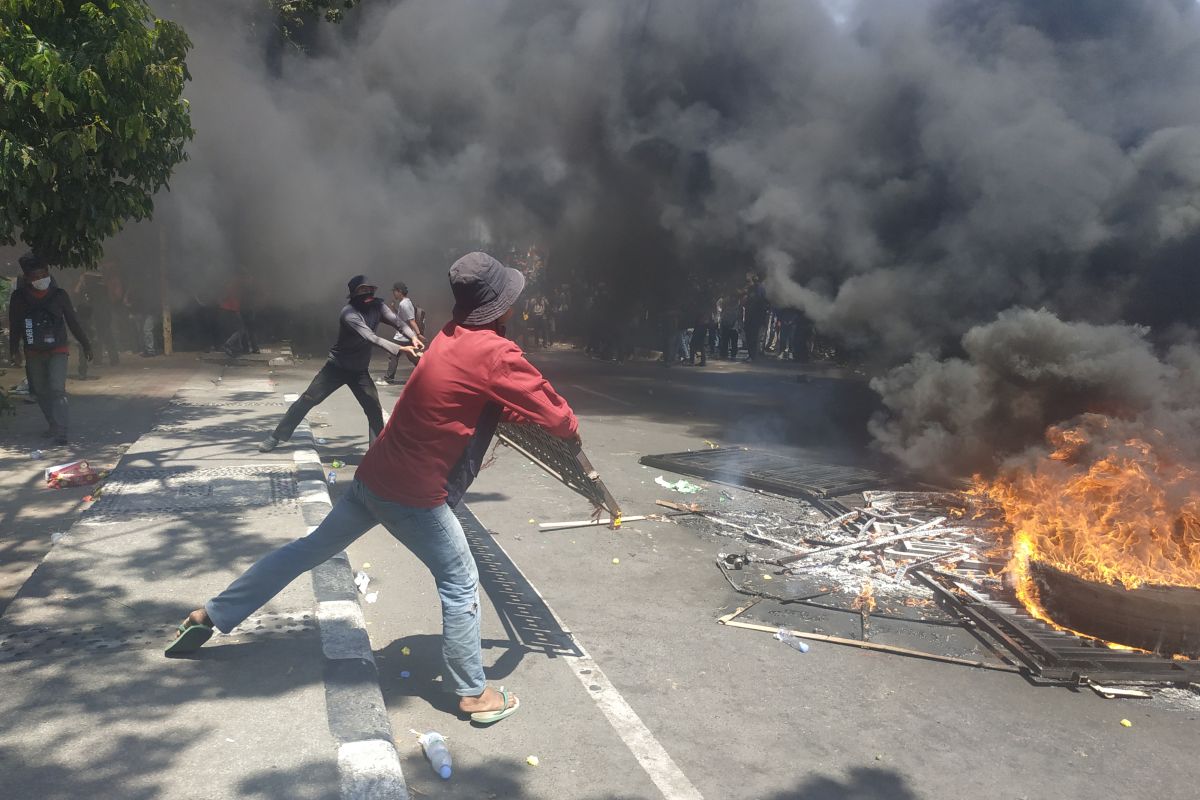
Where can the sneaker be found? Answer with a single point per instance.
(268, 444)
(382, 382)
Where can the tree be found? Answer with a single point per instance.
(293, 11)
(92, 121)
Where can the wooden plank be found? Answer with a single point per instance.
(729, 621)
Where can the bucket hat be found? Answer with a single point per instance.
(483, 288)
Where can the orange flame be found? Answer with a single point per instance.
(1108, 510)
(865, 602)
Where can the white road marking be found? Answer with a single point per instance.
(655, 760)
(291, 398)
(601, 394)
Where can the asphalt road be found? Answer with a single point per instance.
(663, 702)
(652, 698)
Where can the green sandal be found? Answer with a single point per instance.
(488, 717)
(190, 638)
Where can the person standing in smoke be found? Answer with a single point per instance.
(757, 311)
(39, 314)
(416, 473)
(348, 361)
(410, 332)
(95, 293)
(731, 319)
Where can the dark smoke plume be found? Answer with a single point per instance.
(903, 172)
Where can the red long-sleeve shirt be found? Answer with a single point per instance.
(462, 370)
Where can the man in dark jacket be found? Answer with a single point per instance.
(39, 314)
(348, 362)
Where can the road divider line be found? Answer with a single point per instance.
(652, 756)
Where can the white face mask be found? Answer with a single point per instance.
(41, 285)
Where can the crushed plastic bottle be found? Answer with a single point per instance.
(785, 636)
(434, 745)
(36, 454)
(332, 477)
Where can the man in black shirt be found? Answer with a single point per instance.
(39, 314)
(348, 362)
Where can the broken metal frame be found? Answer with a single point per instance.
(564, 461)
(1047, 652)
(765, 471)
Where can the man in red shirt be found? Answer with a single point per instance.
(470, 378)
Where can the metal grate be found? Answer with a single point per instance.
(563, 461)
(170, 490)
(1047, 652)
(757, 469)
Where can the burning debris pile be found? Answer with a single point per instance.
(963, 559)
(1110, 507)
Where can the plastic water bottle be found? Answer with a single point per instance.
(434, 745)
(36, 454)
(332, 477)
(795, 642)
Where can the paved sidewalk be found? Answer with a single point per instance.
(288, 706)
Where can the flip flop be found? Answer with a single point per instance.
(488, 717)
(190, 638)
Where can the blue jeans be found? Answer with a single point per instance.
(434, 535)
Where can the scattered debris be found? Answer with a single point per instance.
(75, 473)
(434, 745)
(337, 463)
(404, 651)
(532, 761)
(731, 620)
(616, 561)
(794, 642)
(1126, 723)
(683, 486)
(371, 597)
(1109, 692)
(362, 580)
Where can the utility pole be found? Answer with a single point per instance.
(168, 336)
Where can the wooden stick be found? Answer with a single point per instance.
(585, 523)
(846, 548)
(883, 648)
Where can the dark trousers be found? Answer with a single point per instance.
(327, 381)
(753, 337)
(699, 342)
(106, 339)
(394, 360)
(729, 342)
(48, 381)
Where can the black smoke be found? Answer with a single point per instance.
(903, 172)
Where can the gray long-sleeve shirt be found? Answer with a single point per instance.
(356, 334)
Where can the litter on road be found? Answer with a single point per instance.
(683, 486)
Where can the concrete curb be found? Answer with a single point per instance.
(368, 764)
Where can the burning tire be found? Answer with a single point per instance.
(1161, 619)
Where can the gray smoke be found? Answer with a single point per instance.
(903, 172)
(1024, 372)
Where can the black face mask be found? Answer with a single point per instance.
(362, 300)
